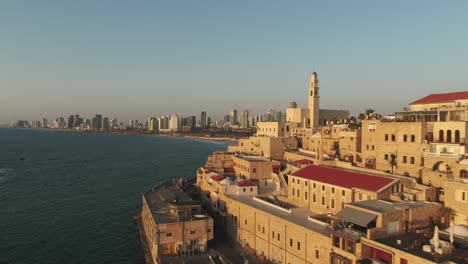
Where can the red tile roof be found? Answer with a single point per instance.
(245, 183)
(276, 166)
(218, 177)
(303, 161)
(439, 98)
(208, 171)
(344, 178)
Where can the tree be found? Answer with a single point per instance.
(393, 161)
(370, 111)
(353, 119)
(361, 116)
(446, 214)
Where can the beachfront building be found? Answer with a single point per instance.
(174, 224)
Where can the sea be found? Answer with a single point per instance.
(70, 197)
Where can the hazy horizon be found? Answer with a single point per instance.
(132, 60)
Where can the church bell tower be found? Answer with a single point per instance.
(314, 99)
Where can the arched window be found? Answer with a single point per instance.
(457, 136)
(386, 137)
(441, 135)
(393, 137)
(464, 174)
(287, 128)
(405, 138)
(449, 135)
(413, 138)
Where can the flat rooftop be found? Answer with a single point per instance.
(299, 218)
(254, 158)
(412, 243)
(388, 207)
(169, 203)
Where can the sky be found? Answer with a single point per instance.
(134, 59)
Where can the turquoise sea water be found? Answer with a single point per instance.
(70, 197)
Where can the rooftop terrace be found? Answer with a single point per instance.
(291, 214)
(380, 206)
(169, 203)
(413, 244)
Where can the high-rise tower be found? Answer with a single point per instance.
(314, 99)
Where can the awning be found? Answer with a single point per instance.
(356, 217)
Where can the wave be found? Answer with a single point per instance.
(5, 170)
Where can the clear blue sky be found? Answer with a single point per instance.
(133, 59)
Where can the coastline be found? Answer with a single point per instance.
(142, 133)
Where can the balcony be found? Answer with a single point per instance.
(348, 233)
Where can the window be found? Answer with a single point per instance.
(243, 189)
(460, 196)
(273, 234)
(258, 228)
(278, 236)
(457, 136)
(293, 180)
(441, 191)
(317, 254)
(323, 200)
(336, 241)
(441, 135)
(298, 193)
(386, 157)
(193, 232)
(254, 170)
(463, 174)
(290, 242)
(405, 138)
(373, 147)
(245, 221)
(323, 187)
(343, 192)
(263, 230)
(314, 185)
(251, 189)
(367, 147)
(350, 247)
(332, 203)
(305, 196)
(314, 197)
(449, 135)
(298, 245)
(293, 191)
(393, 137)
(413, 138)
(386, 137)
(305, 183)
(405, 159)
(169, 234)
(412, 160)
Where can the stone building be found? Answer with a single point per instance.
(327, 190)
(173, 223)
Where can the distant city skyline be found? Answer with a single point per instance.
(130, 61)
